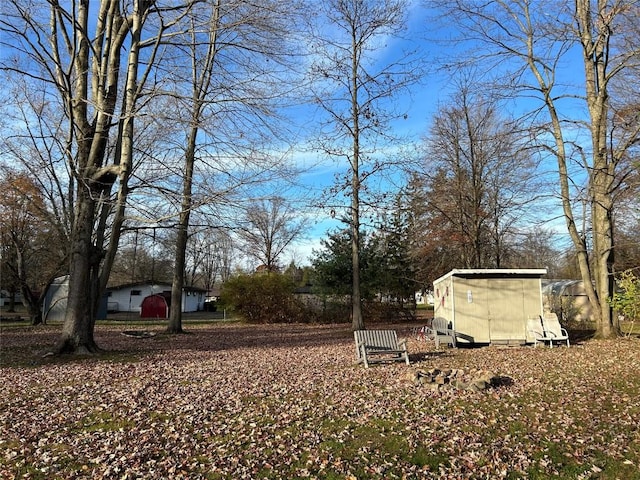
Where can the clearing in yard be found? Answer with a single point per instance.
(290, 401)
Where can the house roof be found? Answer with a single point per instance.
(151, 282)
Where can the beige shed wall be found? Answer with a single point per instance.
(471, 316)
(510, 303)
(489, 310)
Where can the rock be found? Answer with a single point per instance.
(453, 378)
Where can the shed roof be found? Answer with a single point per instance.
(493, 273)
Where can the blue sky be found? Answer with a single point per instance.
(420, 104)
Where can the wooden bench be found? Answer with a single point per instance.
(377, 346)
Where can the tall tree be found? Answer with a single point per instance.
(538, 39)
(202, 48)
(355, 89)
(239, 55)
(483, 177)
(79, 54)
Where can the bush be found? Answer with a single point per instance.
(331, 309)
(375, 311)
(626, 300)
(266, 298)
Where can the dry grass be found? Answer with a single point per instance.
(287, 401)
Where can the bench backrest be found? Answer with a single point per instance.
(377, 339)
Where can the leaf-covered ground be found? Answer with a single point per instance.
(288, 401)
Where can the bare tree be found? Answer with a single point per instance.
(239, 56)
(529, 43)
(354, 90)
(270, 226)
(77, 53)
(481, 177)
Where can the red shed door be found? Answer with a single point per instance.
(154, 306)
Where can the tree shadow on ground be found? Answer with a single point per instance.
(29, 345)
(423, 356)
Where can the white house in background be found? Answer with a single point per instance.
(129, 297)
(424, 297)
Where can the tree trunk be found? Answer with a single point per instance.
(602, 226)
(356, 300)
(77, 330)
(592, 20)
(175, 311)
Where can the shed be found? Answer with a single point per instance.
(489, 306)
(155, 306)
(54, 305)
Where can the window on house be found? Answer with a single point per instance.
(135, 293)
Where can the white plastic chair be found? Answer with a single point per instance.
(553, 330)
